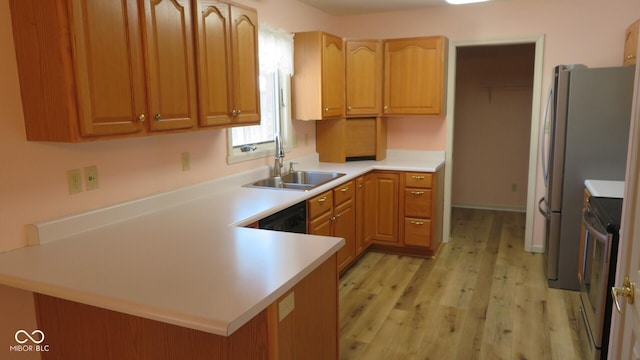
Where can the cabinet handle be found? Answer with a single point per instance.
(322, 199)
(349, 108)
(417, 222)
(158, 117)
(386, 107)
(234, 112)
(326, 109)
(418, 177)
(344, 189)
(629, 57)
(142, 118)
(417, 193)
(238, 112)
(360, 186)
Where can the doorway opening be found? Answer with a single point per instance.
(492, 128)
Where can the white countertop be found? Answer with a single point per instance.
(180, 257)
(605, 188)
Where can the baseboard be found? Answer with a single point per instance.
(490, 207)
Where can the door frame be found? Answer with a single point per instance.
(620, 341)
(538, 40)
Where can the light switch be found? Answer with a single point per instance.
(91, 176)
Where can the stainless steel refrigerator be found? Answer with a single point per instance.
(587, 118)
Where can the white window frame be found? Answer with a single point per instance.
(283, 105)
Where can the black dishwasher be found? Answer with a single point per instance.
(292, 219)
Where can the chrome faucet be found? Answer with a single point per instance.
(279, 157)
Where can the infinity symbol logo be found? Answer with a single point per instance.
(29, 336)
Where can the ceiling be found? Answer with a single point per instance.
(351, 7)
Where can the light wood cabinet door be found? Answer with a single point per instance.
(344, 226)
(414, 76)
(365, 214)
(80, 68)
(227, 53)
(631, 44)
(369, 213)
(214, 62)
(110, 82)
(244, 46)
(171, 82)
(386, 192)
(318, 80)
(332, 76)
(363, 77)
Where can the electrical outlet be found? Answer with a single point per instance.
(186, 161)
(91, 177)
(286, 306)
(514, 187)
(74, 181)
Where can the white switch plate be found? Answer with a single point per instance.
(286, 306)
(91, 177)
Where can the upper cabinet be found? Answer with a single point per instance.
(363, 77)
(227, 42)
(414, 76)
(171, 80)
(81, 72)
(319, 76)
(93, 70)
(631, 44)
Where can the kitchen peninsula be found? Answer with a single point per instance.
(178, 273)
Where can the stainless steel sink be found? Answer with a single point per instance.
(297, 180)
(310, 177)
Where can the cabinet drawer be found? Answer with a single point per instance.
(417, 232)
(320, 204)
(417, 202)
(343, 193)
(419, 180)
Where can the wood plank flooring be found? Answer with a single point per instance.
(484, 297)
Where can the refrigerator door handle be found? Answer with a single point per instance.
(544, 212)
(543, 148)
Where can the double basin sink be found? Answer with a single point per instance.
(297, 180)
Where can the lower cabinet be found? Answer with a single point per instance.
(299, 325)
(332, 213)
(422, 202)
(390, 211)
(408, 208)
(385, 187)
(365, 213)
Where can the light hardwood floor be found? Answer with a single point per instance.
(483, 297)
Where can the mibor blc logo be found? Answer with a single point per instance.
(29, 341)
